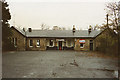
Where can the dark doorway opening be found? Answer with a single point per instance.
(60, 45)
(91, 45)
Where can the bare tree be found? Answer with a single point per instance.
(112, 11)
(96, 27)
(55, 28)
(63, 28)
(58, 28)
(43, 26)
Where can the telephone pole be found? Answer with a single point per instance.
(107, 20)
(106, 33)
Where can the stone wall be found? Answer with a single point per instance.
(20, 40)
(23, 43)
(106, 41)
(35, 47)
(86, 45)
(101, 36)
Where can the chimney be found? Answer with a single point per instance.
(73, 29)
(29, 29)
(90, 29)
(24, 29)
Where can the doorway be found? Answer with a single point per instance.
(60, 45)
(91, 45)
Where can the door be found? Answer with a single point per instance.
(91, 45)
(60, 45)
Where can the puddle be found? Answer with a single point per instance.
(12, 52)
(116, 74)
(31, 73)
(24, 76)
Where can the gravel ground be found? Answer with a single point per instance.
(57, 64)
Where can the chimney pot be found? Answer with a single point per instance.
(90, 29)
(73, 28)
(30, 29)
(24, 29)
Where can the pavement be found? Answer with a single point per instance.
(57, 64)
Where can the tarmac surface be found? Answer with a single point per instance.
(57, 64)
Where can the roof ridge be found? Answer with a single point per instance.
(55, 30)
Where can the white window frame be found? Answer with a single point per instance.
(65, 44)
(14, 42)
(29, 43)
(82, 46)
(52, 42)
(36, 43)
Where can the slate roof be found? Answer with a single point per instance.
(19, 30)
(60, 33)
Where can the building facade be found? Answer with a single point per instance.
(83, 40)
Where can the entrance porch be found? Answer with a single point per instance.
(60, 44)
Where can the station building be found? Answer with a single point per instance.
(81, 40)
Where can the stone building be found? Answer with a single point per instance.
(107, 41)
(54, 39)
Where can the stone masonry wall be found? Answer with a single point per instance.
(20, 40)
(86, 45)
(42, 44)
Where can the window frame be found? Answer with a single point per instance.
(14, 41)
(30, 43)
(91, 41)
(82, 46)
(37, 44)
(50, 43)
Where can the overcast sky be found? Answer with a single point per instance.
(62, 13)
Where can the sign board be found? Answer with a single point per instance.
(59, 39)
(82, 41)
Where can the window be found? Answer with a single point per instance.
(73, 44)
(31, 43)
(14, 40)
(91, 41)
(38, 43)
(81, 45)
(69, 43)
(51, 42)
